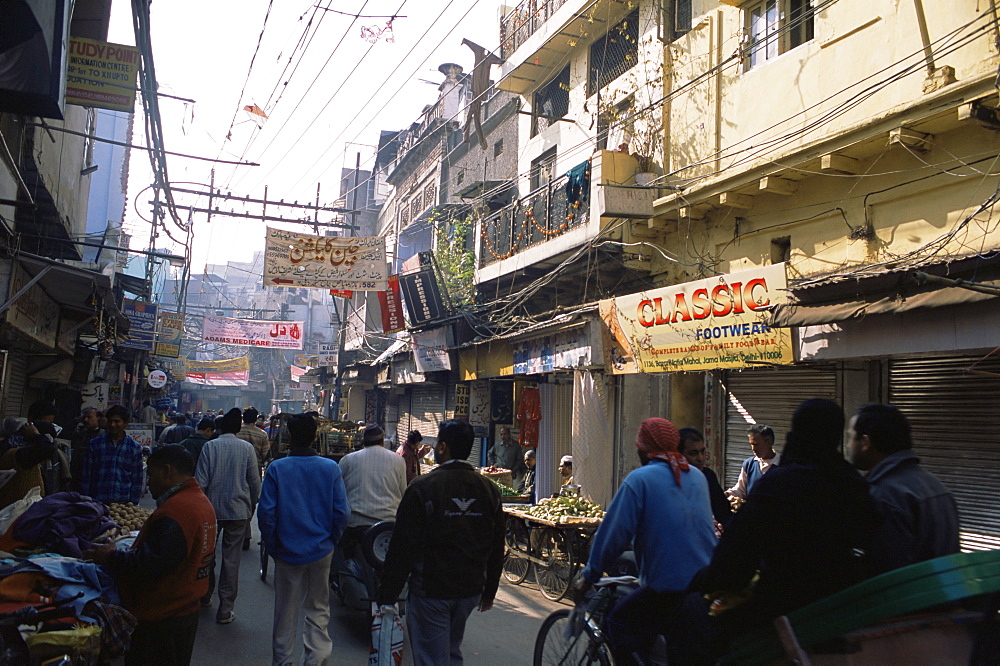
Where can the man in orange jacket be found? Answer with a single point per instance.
(163, 577)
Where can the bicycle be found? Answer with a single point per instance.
(560, 642)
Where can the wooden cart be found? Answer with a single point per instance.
(555, 551)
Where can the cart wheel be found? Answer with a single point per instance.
(263, 562)
(515, 561)
(555, 576)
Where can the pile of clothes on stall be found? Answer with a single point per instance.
(52, 602)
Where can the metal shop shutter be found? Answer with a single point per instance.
(15, 383)
(954, 414)
(427, 410)
(768, 397)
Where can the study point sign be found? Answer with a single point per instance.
(708, 324)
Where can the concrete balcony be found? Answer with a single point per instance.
(538, 35)
(543, 228)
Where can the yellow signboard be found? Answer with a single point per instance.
(239, 364)
(169, 332)
(713, 323)
(101, 75)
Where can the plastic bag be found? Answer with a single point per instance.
(80, 643)
(11, 513)
(387, 636)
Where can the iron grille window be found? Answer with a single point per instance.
(550, 102)
(543, 169)
(614, 54)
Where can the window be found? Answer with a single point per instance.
(781, 249)
(550, 102)
(543, 169)
(774, 27)
(615, 126)
(498, 148)
(430, 195)
(614, 54)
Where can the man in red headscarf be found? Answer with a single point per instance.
(663, 509)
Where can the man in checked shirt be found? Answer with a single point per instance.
(112, 466)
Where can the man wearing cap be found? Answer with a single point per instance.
(375, 478)
(566, 470)
(663, 509)
(227, 473)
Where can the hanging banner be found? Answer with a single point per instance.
(101, 75)
(391, 303)
(228, 372)
(253, 332)
(324, 262)
(566, 349)
(329, 353)
(712, 323)
(142, 324)
(169, 331)
(430, 350)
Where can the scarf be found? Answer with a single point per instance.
(658, 439)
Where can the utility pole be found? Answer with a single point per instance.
(342, 333)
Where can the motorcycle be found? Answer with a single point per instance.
(355, 574)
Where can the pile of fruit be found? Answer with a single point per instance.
(129, 516)
(505, 490)
(554, 508)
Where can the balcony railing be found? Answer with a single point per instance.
(539, 217)
(522, 22)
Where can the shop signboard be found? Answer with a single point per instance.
(462, 402)
(718, 322)
(421, 293)
(253, 332)
(228, 372)
(308, 360)
(391, 303)
(102, 75)
(169, 331)
(141, 433)
(95, 395)
(324, 262)
(329, 353)
(430, 350)
(142, 324)
(479, 405)
(296, 373)
(562, 350)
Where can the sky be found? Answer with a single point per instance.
(327, 95)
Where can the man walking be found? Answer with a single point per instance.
(249, 432)
(177, 432)
(227, 472)
(919, 514)
(196, 442)
(88, 427)
(112, 464)
(450, 535)
(303, 510)
(165, 573)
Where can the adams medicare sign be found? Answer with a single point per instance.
(713, 323)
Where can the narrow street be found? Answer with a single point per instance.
(504, 635)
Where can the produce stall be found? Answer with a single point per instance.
(552, 538)
(335, 439)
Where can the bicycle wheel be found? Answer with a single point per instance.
(552, 647)
(554, 577)
(515, 562)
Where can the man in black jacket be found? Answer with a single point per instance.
(449, 542)
(692, 446)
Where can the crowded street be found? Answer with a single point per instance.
(594, 332)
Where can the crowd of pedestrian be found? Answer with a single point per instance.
(713, 564)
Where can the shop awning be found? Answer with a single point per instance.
(844, 297)
(72, 286)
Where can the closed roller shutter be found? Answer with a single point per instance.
(953, 413)
(427, 410)
(15, 383)
(768, 397)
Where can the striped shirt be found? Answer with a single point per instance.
(112, 472)
(375, 478)
(227, 473)
(258, 438)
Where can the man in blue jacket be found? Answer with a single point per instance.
(662, 510)
(302, 513)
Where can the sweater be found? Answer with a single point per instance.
(303, 508)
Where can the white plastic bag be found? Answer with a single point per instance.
(11, 513)
(387, 636)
